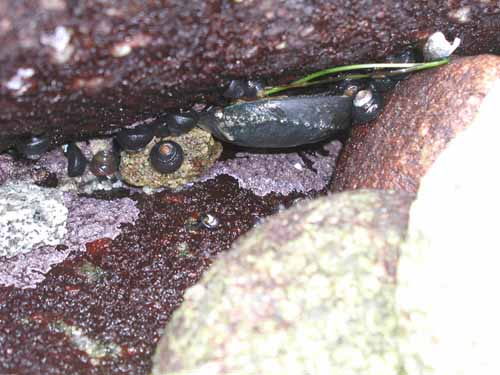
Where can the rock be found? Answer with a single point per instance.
(423, 114)
(311, 291)
(83, 69)
(200, 152)
(85, 220)
(283, 173)
(30, 217)
(448, 275)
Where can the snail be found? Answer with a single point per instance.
(76, 160)
(367, 105)
(32, 147)
(135, 139)
(166, 157)
(383, 84)
(437, 47)
(279, 122)
(242, 89)
(175, 124)
(208, 221)
(104, 164)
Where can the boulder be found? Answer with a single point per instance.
(448, 274)
(423, 114)
(311, 291)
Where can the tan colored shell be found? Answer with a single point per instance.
(200, 152)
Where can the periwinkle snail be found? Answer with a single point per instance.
(135, 139)
(166, 157)
(104, 164)
(367, 105)
(238, 89)
(33, 147)
(175, 124)
(77, 162)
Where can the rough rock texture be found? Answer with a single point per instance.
(86, 220)
(82, 67)
(281, 173)
(424, 113)
(200, 152)
(448, 276)
(30, 217)
(123, 291)
(311, 291)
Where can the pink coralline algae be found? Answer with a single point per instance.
(89, 219)
(282, 173)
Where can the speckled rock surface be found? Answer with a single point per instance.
(200, 152)
(283, 173)
(30, 217)
(448, 276)
(71, 68)
(424, 113)
(311, 291)
(85, 220)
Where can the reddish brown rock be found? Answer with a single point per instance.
(421, 117)
(72, 68)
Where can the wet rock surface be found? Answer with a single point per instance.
(423, 114)
(102, 311)
(448, 272)
(309, 291)
(72, 69)
(200, 151)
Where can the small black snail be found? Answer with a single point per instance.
(104, 164)
(166, 157)
(76, 160)
(175, 124)
(279, 122)
(33, 147)
(367, 105)
(242, 89)
(383, 84)
(135, 139)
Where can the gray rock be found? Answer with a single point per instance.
(311, 291)
(30, 217)
(448, 276)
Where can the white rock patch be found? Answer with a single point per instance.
(30, 217)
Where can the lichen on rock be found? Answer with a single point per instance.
(282, 173)
(85, 220)
(200, 152)
(311, 291)
(30, 217)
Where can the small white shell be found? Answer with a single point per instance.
(437, 47)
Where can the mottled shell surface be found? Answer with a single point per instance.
(280, 122)
(200, 152)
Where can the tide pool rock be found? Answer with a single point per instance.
(311, 291)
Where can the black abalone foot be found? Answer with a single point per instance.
(280, 122)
